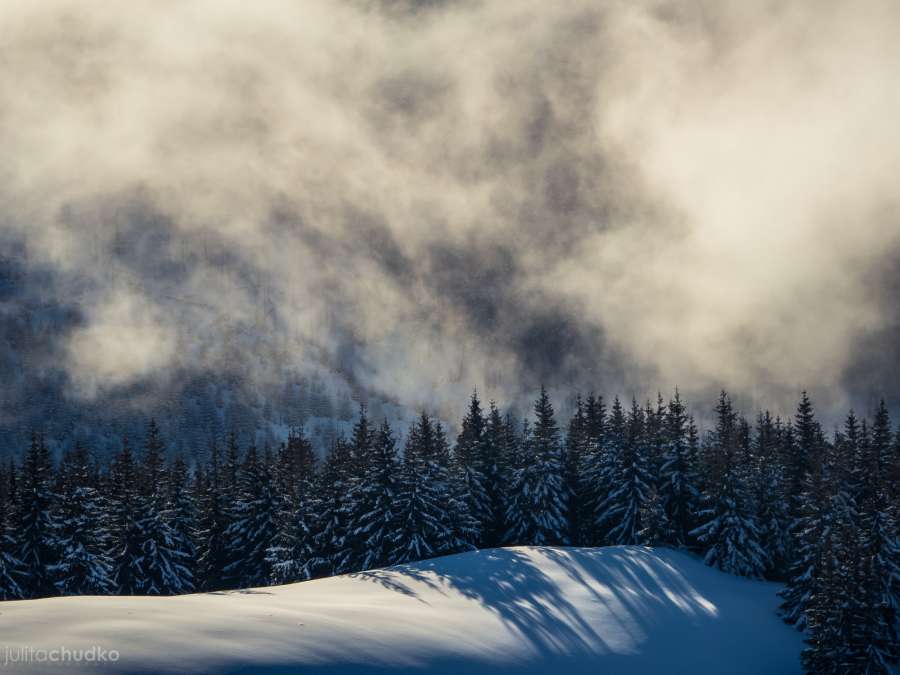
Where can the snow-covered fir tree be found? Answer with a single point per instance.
(180, 515)
(678, 483)
(729, 533)
(292, 554)
(537, 510)
(84, 566)
(10, 566)
(127, 518)
(657, 530)
(575, 459)
(808, 513)
(37, 527)
(497, 467)
(212, 522)
(428, 513)
(471, 457)
(769, 492)
(165, 565)
(591, 467)
(331, 526)
(354, 505)
(627, 476)
(254, 523)
(378, 521)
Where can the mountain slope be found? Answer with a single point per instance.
(525, 610)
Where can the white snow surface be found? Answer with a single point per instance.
(617, 610)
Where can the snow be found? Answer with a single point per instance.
(623, 609)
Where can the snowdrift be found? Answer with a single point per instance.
(627, 610)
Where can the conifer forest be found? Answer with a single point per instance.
(767, 498)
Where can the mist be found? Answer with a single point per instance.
(430, 197)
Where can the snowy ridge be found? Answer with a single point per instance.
(623, 609)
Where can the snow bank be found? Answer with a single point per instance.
(526, 610)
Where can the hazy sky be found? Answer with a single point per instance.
(622, 195)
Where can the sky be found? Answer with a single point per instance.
(430, 197)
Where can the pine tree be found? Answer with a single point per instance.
(212, 550)
(164, 561)
(627, 475)
(255, 523)
(590, 488)
(769, 492)
(84, 566)
(655, 433)
(807, 528)
(36, 525)
(831, 609)
(127, 510)
(575, 458)
(875, 640)
(729, 531)
(427, 511)
(471, 457)
(181, 519)
(678, 481)
(803, 452)
(496, 470)
(10, 566)
(354, 505)
(537, 512)
(378, 521)
(657, 530)
(292, 553)
(462, 524)
(848, 612)
(331, 526)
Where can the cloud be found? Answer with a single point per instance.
(124, 340)
(434, 196)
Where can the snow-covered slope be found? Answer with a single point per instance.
(525, 610)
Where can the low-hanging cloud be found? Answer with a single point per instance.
(435, 196)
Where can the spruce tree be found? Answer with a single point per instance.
(678, 482)
(181, 517)
(627, 476)
(657, 530)
(127, 517)
(496, 471)
(471, 456)
(36, 524)
(849, 612)
(808, 514)
(378, 522)
(292, 552)
(575, 459)
(84, 566)
(589, 487)
(537, 512)
(255, 523)
(769, 492)
(212, 549)
(428, 512)
(355, 503)
(331, 526)
(729, 533)
(10, 566)
(164, 560)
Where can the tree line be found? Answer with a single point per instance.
(772, 499)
